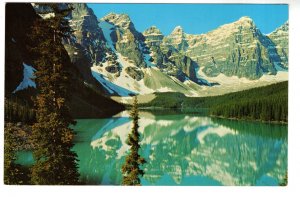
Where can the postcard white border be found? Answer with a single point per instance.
(105, 191)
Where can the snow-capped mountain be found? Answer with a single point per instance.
(114, 57)
(235, 49)
(131, 64)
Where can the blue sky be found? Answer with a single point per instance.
(196, 18)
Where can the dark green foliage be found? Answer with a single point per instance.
(14, 174)
(17, 110)
(252, 128)
(55, 163)
(266, 103)
(131, 169)
(88, 102)
(166, 100)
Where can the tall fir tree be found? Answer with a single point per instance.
(131, 168)
(56, 163)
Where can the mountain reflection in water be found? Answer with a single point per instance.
(184, 149)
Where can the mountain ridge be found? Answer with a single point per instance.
(121, 61)
(161, 51)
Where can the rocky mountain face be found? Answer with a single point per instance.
(87, 46)
(137, 63)
(126, 40)
(115, 58)
(88, 35)
(280, 38)
(235, 49)
(168, 58)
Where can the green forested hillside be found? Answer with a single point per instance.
(268, 103)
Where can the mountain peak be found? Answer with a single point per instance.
(246, 20)
(283, 29)
(178, 30)
(152, 30)
(112, 15)
(121, 20)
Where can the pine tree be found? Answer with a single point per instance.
(56, 163)
(10, 168)
(14, 174)
(131, 168)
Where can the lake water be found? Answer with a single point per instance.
(183, 149)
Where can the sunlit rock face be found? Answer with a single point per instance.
(168, 58)
(117, 59)
(235, 49)
(280, 37)
(126, 40)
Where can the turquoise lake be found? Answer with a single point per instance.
(182, 149)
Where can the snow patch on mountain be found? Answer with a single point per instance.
(124, 80)
(109, 86)
(47, 16)
(28, 76)
(234, 83)
(201, 79)
(282, 75)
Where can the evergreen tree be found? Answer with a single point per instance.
(17, 110)
(131, 168)
(55, 161)
(14, 174)
(268, 103)
(10, 168)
